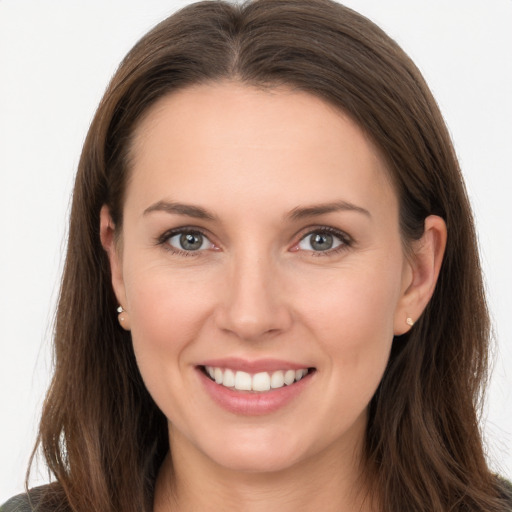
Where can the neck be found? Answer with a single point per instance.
(329, 481)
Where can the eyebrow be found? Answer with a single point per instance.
(321, 209)
(298, 213)
(180, 209)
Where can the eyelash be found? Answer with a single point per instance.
(163, 240)
(346, 241)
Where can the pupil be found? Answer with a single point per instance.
(191, 241)
(321, 241)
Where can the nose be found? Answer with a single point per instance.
(253, 304)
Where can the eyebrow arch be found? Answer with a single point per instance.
(321, 209)
(296, 214)
(180, 209)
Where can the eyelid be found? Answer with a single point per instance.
(345, 238)
(163, 240)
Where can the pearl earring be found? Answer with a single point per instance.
(409, 321)
(121, 317)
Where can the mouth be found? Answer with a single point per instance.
(255, 387)
(260, 382)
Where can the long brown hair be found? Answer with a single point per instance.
(101, 433)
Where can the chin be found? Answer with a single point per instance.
(257, 460)
(250, 449)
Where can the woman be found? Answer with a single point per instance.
(269, 198)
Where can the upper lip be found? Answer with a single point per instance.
(254, 366)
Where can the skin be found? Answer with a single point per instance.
(257, 288)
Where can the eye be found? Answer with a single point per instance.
(322, 240)
(189, 241)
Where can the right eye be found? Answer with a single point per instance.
(189, 241)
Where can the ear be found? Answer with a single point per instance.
(421, 276)
(114, 253)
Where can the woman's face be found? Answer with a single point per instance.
(260, 241)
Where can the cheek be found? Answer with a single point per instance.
(166, 314)
(164, 304)
(353, 318)
(357, 304)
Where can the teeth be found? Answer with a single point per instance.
(262, 381)
(299, 374)
(228, 379)
(243, 381)
(289, 377)
(277, 380)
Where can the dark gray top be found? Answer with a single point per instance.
(19, 503)
(24, 502)
(28, 502)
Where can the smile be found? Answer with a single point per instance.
(257, 382)
(254, 388)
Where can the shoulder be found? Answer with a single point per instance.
(505, 489)
(20, 503)
(28, 502)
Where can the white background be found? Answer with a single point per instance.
(56, 58)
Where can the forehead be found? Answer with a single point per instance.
(289, 145)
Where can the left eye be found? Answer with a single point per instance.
(189, 241)
(320, 241)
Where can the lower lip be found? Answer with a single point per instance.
(253, 404)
